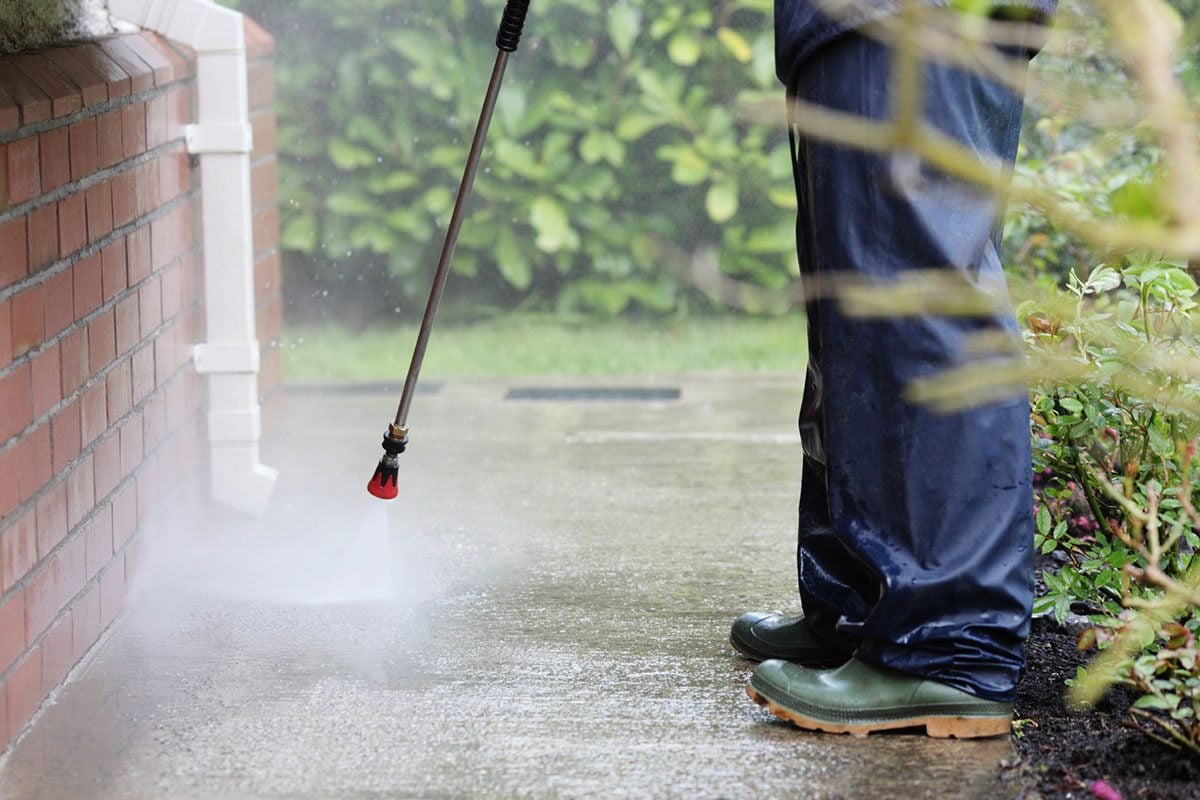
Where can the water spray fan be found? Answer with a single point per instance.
(383, 483)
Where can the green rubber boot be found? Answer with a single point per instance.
(763, 635)
(859, 698)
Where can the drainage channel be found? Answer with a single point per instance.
(594, 394)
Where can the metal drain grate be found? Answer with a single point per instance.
(364, 387)
(584, 394)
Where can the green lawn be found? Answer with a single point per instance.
(545, 345)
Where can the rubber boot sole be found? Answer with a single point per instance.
(936, 727)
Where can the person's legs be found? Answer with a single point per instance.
(916, 536)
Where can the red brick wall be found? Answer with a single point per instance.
(264, 180)
(101, 411)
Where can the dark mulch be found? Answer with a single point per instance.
(1067, 750)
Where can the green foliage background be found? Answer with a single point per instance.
(619, 151)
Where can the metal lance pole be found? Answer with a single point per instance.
(383, 483)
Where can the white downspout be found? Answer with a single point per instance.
(222, 139)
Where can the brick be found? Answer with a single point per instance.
(6, 348)
(82, 72)
(119, 390)
(172, 292)
(113, 268)
(124, 198)
(128, 324)
(60, 301)
(65, 96)
(51, 519)
(85, 622)
(133, 129)
(14, 257)
(56, 159)
(76, 367)
(81, 492)
(12, 630)
(18, 551)
(264, 181)
(33, 455)
(265, 129)
(180, 67)
(24, 169)
(35, 105)
(259, 43)
(132, 449)
(165, 355)
(98, 199)
(16, 398)
(47, 380)
(261, 80)
(125, 516)
(102, 340)
(89, 288)
(72, 224)
(177, 405)
(24, 692)
(56, 655)
(150, 307)
(93, 414)
(143, 373)
(10, 120)
(110, 139)
(140, 254)
(98, 542)
(156, 121)
(116, 80)
(146, 181)
(179, 112)
(167, 236)
(149, 488)
(85, 156)
(28, 320)
(42, 233)
(52, 588)
(9, 491)
(267, 275)
(163, 71)
(106, 464)
(154, 422)
(140, 75)
(266, 229)
(112, 592)
(174, 175)
(65, 441)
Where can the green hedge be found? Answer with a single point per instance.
(630, 139)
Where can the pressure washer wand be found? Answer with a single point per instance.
(383, 483)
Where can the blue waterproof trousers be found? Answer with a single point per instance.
(916, 527)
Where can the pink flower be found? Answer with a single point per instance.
(1103, 790)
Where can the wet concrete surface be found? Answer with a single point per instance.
(542, 613)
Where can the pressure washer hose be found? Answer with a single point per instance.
(383, 483)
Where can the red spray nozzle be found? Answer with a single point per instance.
(383, 483)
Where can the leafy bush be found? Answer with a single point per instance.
(618, 152)
(1117, 455)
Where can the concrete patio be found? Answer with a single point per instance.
(542, 613)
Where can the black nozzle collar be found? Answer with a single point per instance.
(509, 35)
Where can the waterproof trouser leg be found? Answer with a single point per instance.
(916, 527)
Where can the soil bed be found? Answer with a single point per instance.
(1063, 751)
